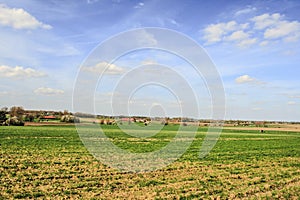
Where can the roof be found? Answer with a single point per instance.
(127, 119)
(49, 117)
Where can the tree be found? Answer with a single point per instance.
(29, 117)
(5, 109)
(2, 116)
(17, 111)
(69, 119)
(66, 112)
(13, 121)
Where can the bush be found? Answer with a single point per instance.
(69, 119)
(14, 121)
(29, 118)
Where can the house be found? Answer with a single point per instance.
(127, 119)
(48, 117)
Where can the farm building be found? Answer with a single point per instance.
(49, 117)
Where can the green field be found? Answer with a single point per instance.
(51, 162)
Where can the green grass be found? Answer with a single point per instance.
(51, 162)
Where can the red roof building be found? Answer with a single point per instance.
(49, 117)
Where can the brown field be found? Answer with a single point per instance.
(285, 128)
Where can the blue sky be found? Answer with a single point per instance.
(254, 44)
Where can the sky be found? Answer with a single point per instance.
(254, 45)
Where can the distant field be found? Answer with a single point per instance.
(51, 162)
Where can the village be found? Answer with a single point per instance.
(19, 116)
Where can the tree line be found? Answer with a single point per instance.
(17, 115)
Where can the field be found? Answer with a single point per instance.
(51, 162)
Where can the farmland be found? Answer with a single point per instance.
(51, 162)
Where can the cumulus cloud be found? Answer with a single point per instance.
(19, 19)
(241, 38)
(247, 79)
(289, 31)
(247, 42)
(244, 79)
(48, 91)
(105, 68)
(266, 20)
(264, 43)
(274, 27)
(259, 29)
(19, 72)
(215, 32)
(238, 35)
(230, 31)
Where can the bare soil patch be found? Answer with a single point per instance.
(291, 128)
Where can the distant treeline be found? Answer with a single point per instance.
(17, 114)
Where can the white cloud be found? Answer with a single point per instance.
(266, 20)
(48, 91)
(247, 10)
(264, 43)
(247, 42)
(19, 19)
(19, 72)
(275, 27)
(289, 31)
(215, 32)
(246, 79)
(238, 35)
(225, 31)
(106, 68)
(174, 22)
(261, 29)
(241, 38)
